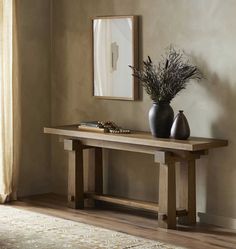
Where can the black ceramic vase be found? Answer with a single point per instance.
(180, 128)
(161, 117)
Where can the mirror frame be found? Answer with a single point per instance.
(135, 59)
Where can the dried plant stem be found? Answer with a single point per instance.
(165, 80)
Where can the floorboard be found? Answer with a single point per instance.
(134, 223)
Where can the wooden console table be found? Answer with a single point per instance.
(166, 152)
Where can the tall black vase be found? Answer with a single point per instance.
(180, 128)
(161, 117)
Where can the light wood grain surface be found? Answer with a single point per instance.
(139, 138)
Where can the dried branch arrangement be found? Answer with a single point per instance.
(165, 80)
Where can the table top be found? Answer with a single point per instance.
(139, 138)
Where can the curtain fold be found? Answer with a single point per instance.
(16, 101)
(6, 100)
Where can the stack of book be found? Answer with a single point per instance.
(102, 127)
(92, 126)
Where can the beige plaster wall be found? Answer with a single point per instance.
(33, 32)
(206, 30)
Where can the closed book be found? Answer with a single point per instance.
(90, 123)
(94, 129)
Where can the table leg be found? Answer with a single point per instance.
(167, 192)
(75, 174)
(187, 191)
(98, 171)
(191, 192)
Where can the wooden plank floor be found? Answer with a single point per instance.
(197, 237)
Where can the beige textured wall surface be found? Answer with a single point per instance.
(206, 31)
(33, 32)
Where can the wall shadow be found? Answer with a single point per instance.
(221, 162)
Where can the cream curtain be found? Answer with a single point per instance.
(6, 100)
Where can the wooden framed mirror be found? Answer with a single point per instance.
(115, 47)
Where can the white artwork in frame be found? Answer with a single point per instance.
(115, 47)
